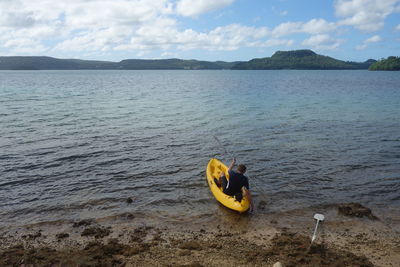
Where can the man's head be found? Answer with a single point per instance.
(241, 168)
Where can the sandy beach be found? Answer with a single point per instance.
(231, 239)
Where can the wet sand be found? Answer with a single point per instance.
(228, 239)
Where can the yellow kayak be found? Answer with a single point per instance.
(214, 169)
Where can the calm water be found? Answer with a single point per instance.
(76, 144)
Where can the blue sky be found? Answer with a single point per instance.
(200, 29)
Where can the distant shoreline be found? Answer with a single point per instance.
(281, 60)
(39, 70)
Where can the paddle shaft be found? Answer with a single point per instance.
(232, 156)
(315, 232)
(223, 147)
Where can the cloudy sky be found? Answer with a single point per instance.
(200, 29)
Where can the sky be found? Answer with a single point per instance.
(229, 30)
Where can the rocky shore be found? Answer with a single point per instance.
(346, 238)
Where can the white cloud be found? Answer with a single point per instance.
(397, 28)
(230, 37)
(78, 25)
(227, 38)
(314, 26)
(111, 13)
(322, 42)
(365, 15)
(106, 25)
(287, 28)
(373, 39)
(192, 8)
(101, 40)
(318, 26)
(25, 46)
(169, 55)
(15, 19)
(139, 26)
(277, 42)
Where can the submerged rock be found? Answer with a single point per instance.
(83, 223)
(62, 235)
(97, 232)
(35, 235)
(356, 210)
(262, 204)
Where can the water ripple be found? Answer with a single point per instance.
(81, 142)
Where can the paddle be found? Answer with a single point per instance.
(226, 152)
(319, 218)
(232, 156)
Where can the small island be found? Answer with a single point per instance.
(391, 63)
(301, 60)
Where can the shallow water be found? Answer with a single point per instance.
(77, 144)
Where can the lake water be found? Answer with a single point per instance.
(77, 144)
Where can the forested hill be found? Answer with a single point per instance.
(300, 59)
(297, 59)
(50, 63)
(174, 63)
(391, 63)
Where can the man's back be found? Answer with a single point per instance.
(236, 182)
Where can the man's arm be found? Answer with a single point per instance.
(248, 196)
(232, 164)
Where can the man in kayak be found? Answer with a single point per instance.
(237, 180)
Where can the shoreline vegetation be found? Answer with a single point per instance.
(391, 63)
(295, 60)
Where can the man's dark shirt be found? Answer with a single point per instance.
(236, 182)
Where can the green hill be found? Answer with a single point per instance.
(297, 59)
(49, 63)
(391, 63)
(174, 63)
(300, 59)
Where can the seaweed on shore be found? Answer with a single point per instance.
(85, 222)
(94, 254)
(294, 250)
(291, 249)
(356, 210)
(97, 232)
